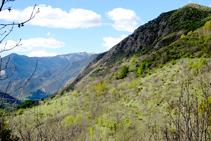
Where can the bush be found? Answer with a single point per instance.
(144, 66)
(132, 60)
(99, 88)
(69, 120)
(28, 104)
(122, 85)
(20, 112)
(112, 91)
(207, 26)
(201, 63)
(124, 72)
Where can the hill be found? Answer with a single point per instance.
(144, 88)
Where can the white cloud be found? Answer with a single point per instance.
(210, 5)
(48, 34)
(34, 44)
(2, 73)
(41, 53)
(109, 42)
(55, 17)
(190, 1)
(124, 19)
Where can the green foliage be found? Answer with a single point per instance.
(28, 104)
(112, 91)
(20, 112)
(70, 120)
(124, 72)
(204, 108)
(132, 68)
(191, 65)
(201, 63)
(97, 70)
(134, 83)
(207, 26)
(132, 60)
(144, 66)
(182, 36)
(190, 32)
(118, 63)
(192, 41)
(99, 88)
(122, 85)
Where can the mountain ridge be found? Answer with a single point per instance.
(157, 33)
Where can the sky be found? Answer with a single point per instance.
(71, 26)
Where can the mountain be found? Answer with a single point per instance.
(26, 65)
(156, 34)
(49, 69)
(153, 85)
(49, 81)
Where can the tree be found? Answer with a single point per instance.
(5, 31)
(191, 119)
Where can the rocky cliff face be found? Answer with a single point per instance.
(160, 32)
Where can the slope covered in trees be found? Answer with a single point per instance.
(154, 85)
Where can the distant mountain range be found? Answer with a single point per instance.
(51, 73)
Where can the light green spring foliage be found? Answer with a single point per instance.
(124, 72)
(20, 112)
(112, 91)
(191, 65)
(134, 83)
(201, 63)
(207, 26)
(204, 107)
(122, 85)
(69, 120)
(182, 36)
(99, 88)
(144, 67)
(132, 60)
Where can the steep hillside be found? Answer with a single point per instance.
(155, 34)
(133, 92)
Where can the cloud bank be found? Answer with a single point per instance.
(41, 53)
(109, 42)
(124, 19)
(34, 44)
(55, 17)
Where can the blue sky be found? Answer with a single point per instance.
(69, 26)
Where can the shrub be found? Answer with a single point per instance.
(182, 36)
(201, 63)
(118, 63)
(132, 60)
(207, 26)
(99, 88)
(204, 108)
(112, 91)
(132, 68)
(67, 121)
(121, 85)
(124, 72)
(20, 112)
(144, 66)
(134, 83)
(28, 104)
